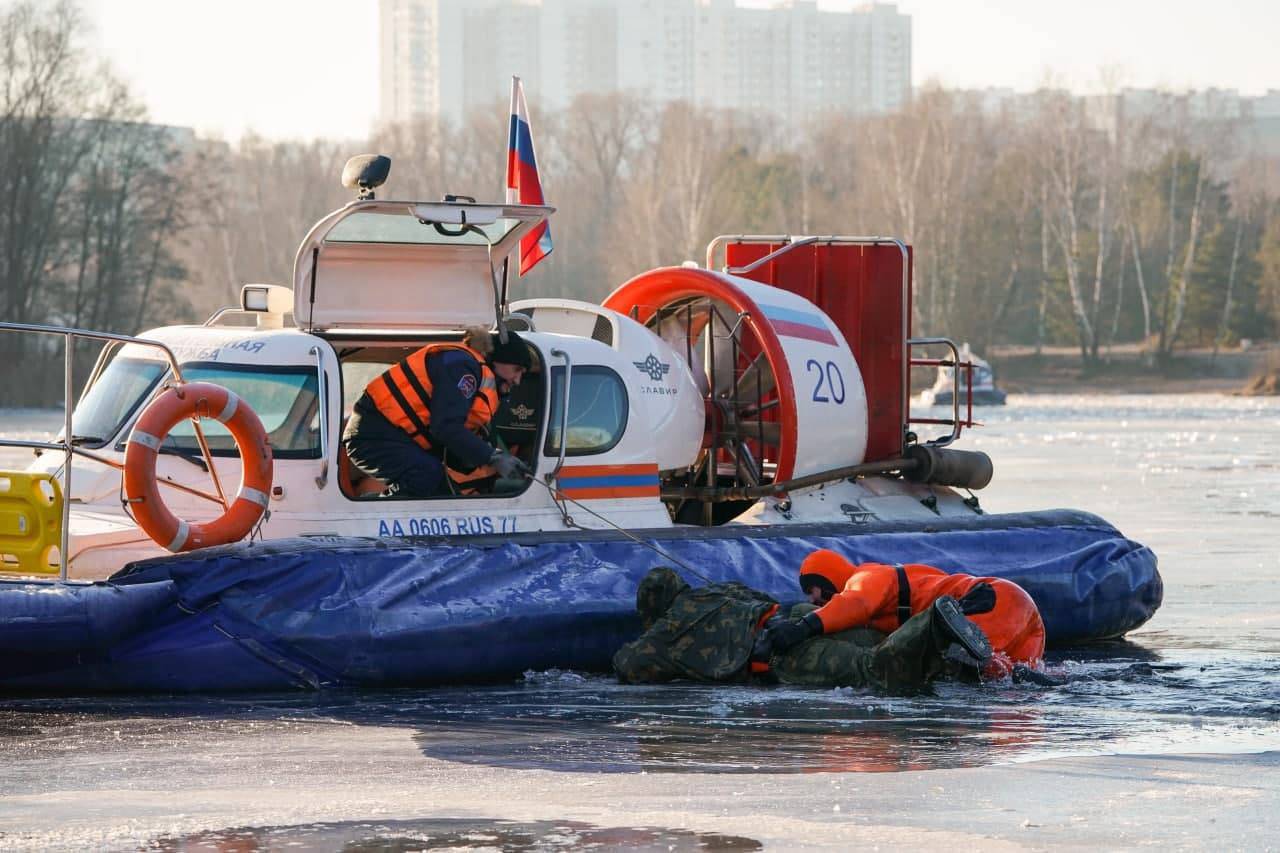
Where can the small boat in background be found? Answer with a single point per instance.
(976, 374)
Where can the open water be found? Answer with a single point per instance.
(1195, 477)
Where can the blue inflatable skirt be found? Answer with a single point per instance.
(321, 612)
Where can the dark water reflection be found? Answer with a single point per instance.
(402, 836)
(1117, 698)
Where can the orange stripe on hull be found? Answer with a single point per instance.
(607, 470)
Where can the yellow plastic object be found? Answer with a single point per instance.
(30, 522)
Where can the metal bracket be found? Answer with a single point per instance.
(857, 513)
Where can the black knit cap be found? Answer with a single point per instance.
(821, 581)
(514, 351)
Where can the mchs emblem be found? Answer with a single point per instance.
(656, 369)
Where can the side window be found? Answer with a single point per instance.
(356, 375)
(597, 411)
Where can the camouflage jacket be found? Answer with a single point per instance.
(706, 634)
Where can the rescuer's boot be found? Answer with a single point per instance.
(953, 627)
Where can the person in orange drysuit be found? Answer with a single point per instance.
(873, 594)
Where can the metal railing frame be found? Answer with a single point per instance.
(67, 444)
(956, 424)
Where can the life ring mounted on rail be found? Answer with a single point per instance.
(197, 400)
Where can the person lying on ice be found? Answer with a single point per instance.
(884, 597)
(717, 633)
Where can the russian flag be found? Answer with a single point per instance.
(523, 186)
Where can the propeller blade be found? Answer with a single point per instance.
(758, 371)
(682, 329)
(748, 468)
(753, 430)
(681, 326)
(724, 367)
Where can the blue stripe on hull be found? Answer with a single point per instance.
(351, 612)
(608, 482)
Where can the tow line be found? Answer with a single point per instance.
(557, 496)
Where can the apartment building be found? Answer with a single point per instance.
(444, 58)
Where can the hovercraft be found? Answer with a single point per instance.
(730, 417)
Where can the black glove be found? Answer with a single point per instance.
(761, 649)
(980, 599)
(508, 466)
(1023, 674)
(784, 633)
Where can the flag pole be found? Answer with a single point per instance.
(506, 261)
(511, 142)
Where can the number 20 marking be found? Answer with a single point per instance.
(831, 376)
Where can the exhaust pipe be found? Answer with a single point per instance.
(966, 469)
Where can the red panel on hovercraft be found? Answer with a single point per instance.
(861, 288)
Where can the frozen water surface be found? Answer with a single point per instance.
(1196, 477)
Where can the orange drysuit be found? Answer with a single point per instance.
(869, 595)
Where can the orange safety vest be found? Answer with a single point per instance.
(402, 394)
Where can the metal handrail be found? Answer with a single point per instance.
(323, 388)
(956, 424)
(759, 262)
(90, 334)
(70, 335)
(564, 413)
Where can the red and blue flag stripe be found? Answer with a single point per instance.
(523, 184)
(798, 324)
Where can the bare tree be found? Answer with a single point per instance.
(1169, 331)
(1065, 153)
(89, 190)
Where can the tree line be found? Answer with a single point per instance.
(1034, 228)
(1035, 224)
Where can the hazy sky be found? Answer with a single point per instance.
(304, 68)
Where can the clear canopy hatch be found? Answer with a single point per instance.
(407, 265)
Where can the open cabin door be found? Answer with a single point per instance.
(403, 265)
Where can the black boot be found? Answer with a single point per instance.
(954, 628)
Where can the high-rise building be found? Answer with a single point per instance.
(445, 58)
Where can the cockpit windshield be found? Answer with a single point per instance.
(284, 398)
(113, 399)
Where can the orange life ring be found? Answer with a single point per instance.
(205, 400)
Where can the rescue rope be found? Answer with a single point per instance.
(557, 496)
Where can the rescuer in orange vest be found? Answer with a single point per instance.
(883, 597)
(434, 399)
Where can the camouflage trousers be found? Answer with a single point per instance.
(903, 662)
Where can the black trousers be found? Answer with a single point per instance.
(383, 450)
